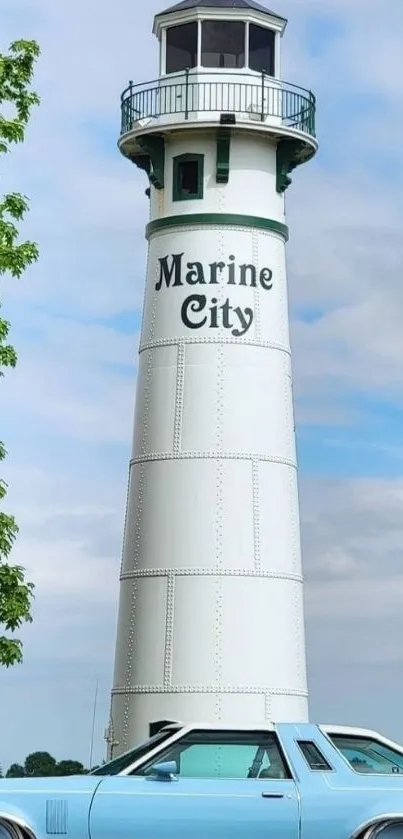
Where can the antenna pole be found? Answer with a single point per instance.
(93, 724)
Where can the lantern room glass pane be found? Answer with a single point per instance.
(181, 49)
(261, 49)
(223, 44)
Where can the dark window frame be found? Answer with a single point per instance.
(323, 765)
(177, 193)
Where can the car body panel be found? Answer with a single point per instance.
(342, 799)
(307, 802)
(49, 806)
(188, 807)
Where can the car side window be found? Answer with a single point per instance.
(224, 754)
(368, 756)
(313, 756)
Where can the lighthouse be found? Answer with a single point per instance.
(211, 619)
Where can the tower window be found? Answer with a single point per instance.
(261, 49)
(188, 177)
(223, 44)
(181, 49)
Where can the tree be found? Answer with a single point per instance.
(43, 765)
(16, 72)
(15, 771)
(70, 767)
(40, 765)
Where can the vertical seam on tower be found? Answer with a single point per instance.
(219, 537)
(289, 414)
(148, 375)
(256, 515)
(256, 291)
(110, 732)
(131, 635)
(294, 521)
(129, 663)
(137, 529)
(283, 301)
(267, 707)
(146, 403)
(145, 289)
(299, 631)
(144, 429)
(125, 521)
(169, 630)
(179, 396)
(294, 495)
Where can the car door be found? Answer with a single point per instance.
(204, 799)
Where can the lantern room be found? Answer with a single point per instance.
(238, 36)
(220, 69)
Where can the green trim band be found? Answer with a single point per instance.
(219, 219)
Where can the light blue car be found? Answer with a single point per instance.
(288, 781)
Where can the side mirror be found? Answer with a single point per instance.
(164, 771)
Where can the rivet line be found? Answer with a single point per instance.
(144, 573)
(213, 455)
(256, 690)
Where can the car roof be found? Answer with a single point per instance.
(329, 729)
(349, 729)
(259, 724)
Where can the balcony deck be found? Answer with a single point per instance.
(199, 97)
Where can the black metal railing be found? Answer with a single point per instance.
(185, 95)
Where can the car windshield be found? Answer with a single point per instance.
(123, 761)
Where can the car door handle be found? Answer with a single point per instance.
(272, 795)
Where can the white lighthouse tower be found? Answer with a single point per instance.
(211, 623)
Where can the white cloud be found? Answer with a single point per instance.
(353, 537)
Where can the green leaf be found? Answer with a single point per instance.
(15, 205)
(10, 651)
(16, 73)
(15, 597)
(8, 534)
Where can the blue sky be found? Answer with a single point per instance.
(66, 412)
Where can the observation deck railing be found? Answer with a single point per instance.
(194, 93)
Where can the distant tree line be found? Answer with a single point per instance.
(43, 765)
